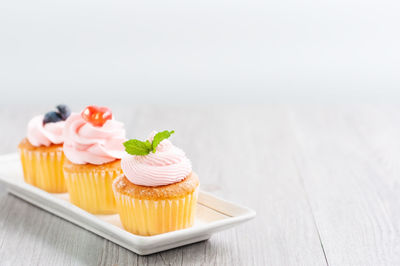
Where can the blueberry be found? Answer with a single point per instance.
(51, 117)
(64, 111)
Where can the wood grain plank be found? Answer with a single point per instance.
(355, 200)
(32, 236)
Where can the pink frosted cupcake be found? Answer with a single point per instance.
(157, 192)
(41, 152)
(93, 148)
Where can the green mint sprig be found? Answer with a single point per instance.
(138, 147)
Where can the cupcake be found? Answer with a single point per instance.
(41, 151)
(93, 148)
(157, 192)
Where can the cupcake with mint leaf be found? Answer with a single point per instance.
(41, 151)
(157, 192)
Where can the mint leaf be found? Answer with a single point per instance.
(137, 147)
(160, 136)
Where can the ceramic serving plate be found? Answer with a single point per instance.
(213, 214)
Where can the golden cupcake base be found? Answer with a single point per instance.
(43, 166)
(90, 186)
(150, 211)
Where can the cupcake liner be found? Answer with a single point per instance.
(92, 190)
(44, 169)
(152, 217)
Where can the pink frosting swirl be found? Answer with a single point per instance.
(85, 143)
(44, 135)
(167, 165)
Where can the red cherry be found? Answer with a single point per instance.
(96, 115)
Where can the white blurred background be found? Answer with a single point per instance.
(212, 51)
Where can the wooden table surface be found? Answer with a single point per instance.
(324, 181)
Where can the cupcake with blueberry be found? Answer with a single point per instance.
(93, 147)
(41, 151)
(157, 192)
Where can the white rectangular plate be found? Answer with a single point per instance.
(213, 214)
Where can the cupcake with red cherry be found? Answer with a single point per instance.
(41, 151)
(93, 146)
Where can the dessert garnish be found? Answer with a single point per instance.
(96, 115)
(138, 147)
(62, 113)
